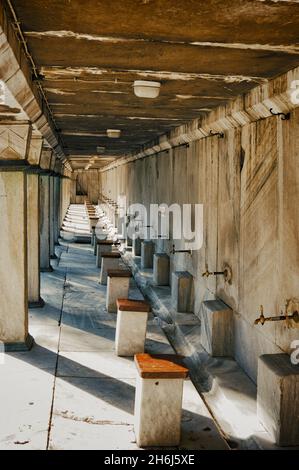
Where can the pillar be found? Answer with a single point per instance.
(45, 265)
(13, 261)
(52, 217)
(33, 241)
(56, 209)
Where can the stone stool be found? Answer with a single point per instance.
(93, 223)
(103, 246)
(109, 261)
(131, 326)
(158, 399)
(118, 283)
(161, 269)
(129, 241)
(136, 246)
(182, 291)
(277, 398)
(217, 328)
(147, 254)
(98, 239)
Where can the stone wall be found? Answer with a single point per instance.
(248, 183)
(89, 184)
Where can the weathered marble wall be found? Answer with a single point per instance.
(89, 183)
(248, 183)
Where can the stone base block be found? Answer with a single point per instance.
(47, 270)
(278, 398)
(130, 332)
(108, 263)
(20, 346)
(217, 325)
(38, 304)
(147, 254)
(131, 326)
(117, 288)
(161, 269)
(158, 409)
(136, 247)
(100, 250)
(182, 291)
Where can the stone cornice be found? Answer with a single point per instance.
(251, 107)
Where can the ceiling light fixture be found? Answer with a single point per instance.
(145, 89)
(113, 133)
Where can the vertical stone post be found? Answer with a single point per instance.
(52, 217)
(56, 208)
(45, 265)
(33, 241)
(13, 261)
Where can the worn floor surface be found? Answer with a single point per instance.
(71, 391)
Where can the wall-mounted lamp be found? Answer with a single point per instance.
(146, 89)
(113, 133)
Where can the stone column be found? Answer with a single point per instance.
(56, 208)
(33, 241)
(52, 217)
(13, 261)
(45, 265)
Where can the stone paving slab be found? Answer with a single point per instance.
(73, 364)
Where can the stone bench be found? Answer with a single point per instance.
(278, 398)
(109, 261)
(118, 283)
(131, 325)
(158, 399)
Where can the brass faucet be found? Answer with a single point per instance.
(283, 316)
(227, 273)
(174, 251)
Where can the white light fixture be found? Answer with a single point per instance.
(145, 89)
(113, 133)
(101, 149)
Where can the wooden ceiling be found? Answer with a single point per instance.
(204, 53)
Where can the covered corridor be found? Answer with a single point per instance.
(149, 221)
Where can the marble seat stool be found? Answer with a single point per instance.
(118, 283)
(131, 326)
(103, 246)
(93, 223)
(147, 254)
(158, 399)
(136, 246)
(109, 261)
(161, 269)
(182, 291)
(100, 235)
(278, 398)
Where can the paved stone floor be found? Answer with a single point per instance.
(71, 391)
